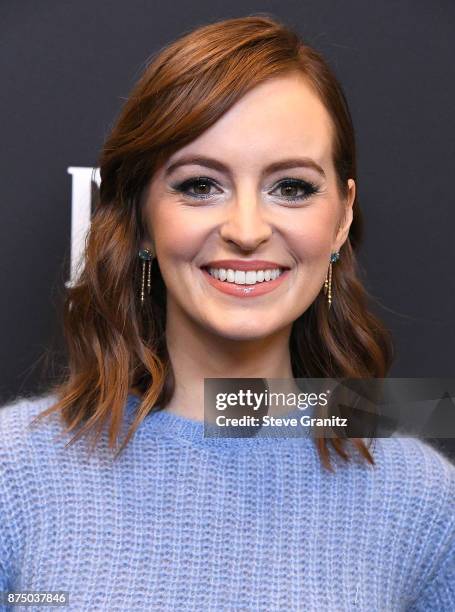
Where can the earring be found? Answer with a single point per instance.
(146, 257)
(328, 281)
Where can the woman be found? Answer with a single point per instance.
(223, 245)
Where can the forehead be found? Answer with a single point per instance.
(282, 117)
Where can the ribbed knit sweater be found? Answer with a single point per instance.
(183, 522)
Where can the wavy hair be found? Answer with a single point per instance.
(114, 346)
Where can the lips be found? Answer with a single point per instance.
(246, 291)
(244, 264)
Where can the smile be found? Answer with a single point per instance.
(245, 283)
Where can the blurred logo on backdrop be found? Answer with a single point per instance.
(84, 191)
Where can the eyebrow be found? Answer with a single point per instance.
(209, 162)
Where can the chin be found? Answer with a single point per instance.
(247, 331)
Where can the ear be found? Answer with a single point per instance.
(346, 220)
(148, 244)
(147, 241)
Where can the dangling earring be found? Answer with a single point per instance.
(328, 281)
(146, 256)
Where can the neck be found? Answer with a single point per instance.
(197, 353)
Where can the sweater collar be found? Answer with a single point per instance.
(176, 426)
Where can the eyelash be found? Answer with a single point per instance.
(310, 188)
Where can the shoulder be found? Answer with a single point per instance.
(23, 461)
(29, 448)
(411, 485)
(405, 503)
(416, 464)
(416, 480)
(23, 408)
(416, 491)
(17, 430)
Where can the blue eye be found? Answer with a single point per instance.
(290, 189)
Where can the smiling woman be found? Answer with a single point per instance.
(223, 246)
(271, 192)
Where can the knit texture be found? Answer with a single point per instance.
(182, 522)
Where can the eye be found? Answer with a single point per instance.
(201, 186)
(295, 189)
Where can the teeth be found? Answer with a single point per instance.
(240, 277)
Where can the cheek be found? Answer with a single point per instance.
(176, 235)
(311, 235)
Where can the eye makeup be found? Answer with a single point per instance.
(305, 187)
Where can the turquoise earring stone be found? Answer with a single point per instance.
(335, 257)
(145, 254)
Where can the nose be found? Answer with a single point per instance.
(245, 223)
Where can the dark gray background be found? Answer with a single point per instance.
(67, 66)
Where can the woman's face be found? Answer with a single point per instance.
(258, 185)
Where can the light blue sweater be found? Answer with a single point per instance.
(182, 522)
